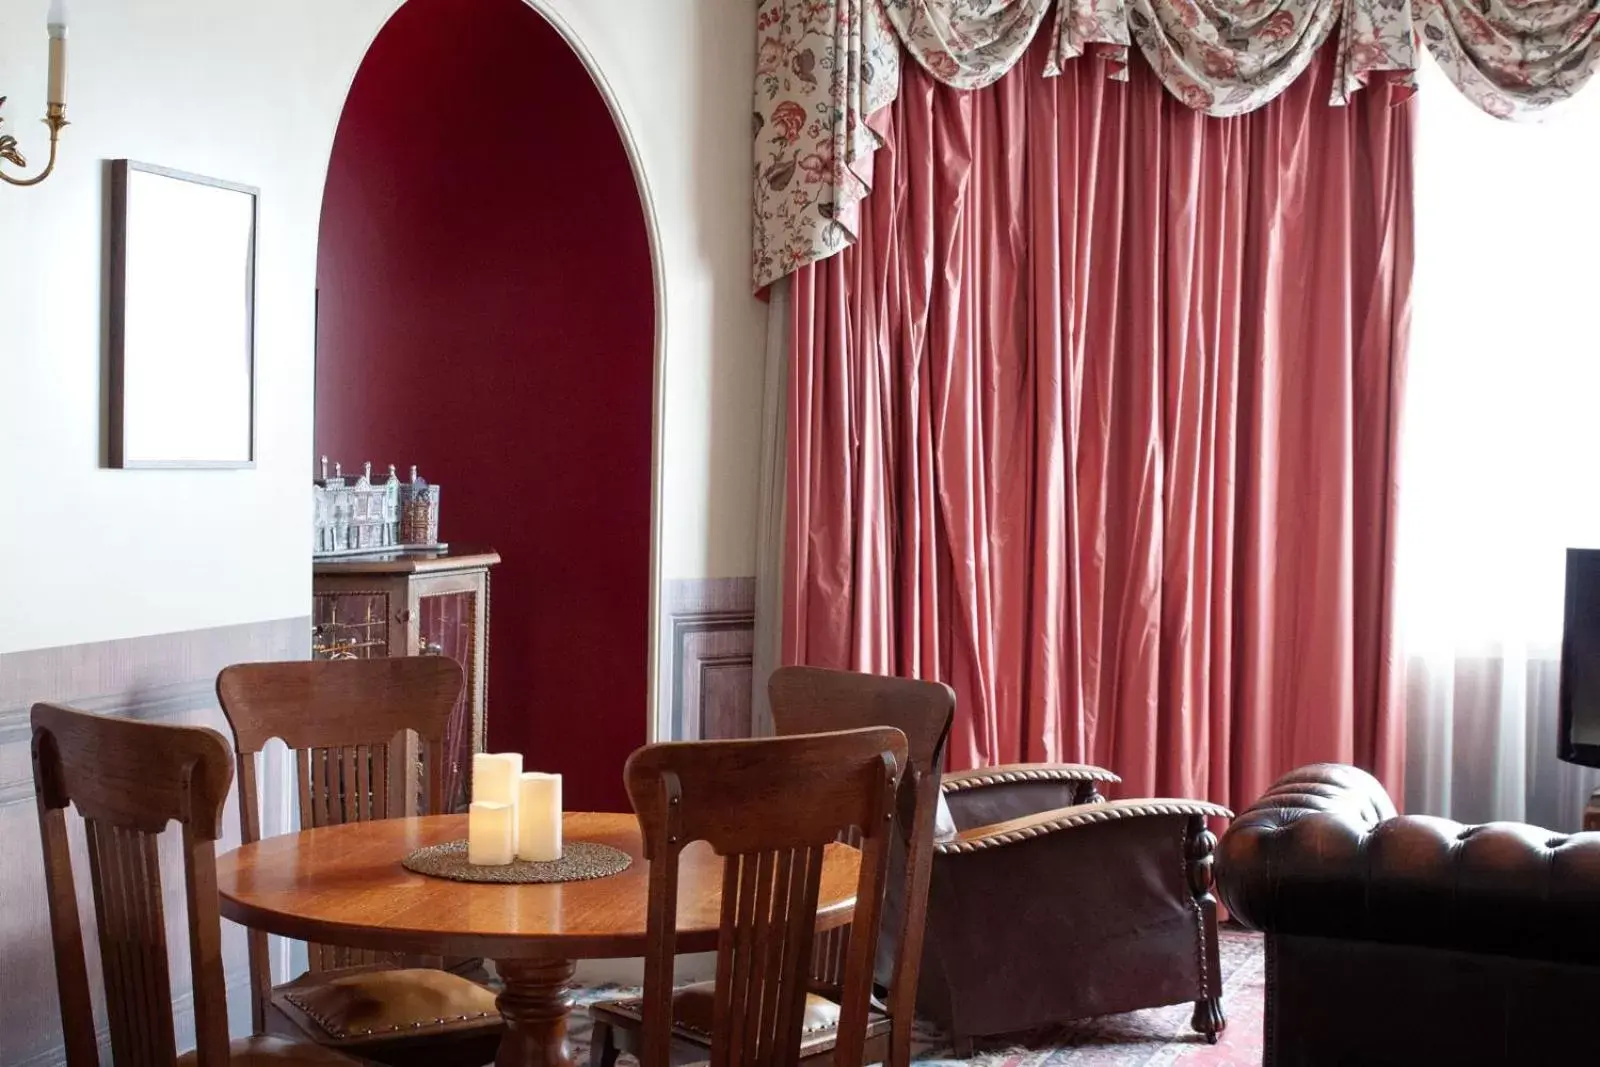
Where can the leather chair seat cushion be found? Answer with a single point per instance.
(367, 1005)
(275, 1052)
(693, 1005)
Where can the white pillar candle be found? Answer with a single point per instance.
(494, 779)
(539, 828)
(56, 23)
(491, 834)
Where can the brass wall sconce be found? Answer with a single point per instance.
(55, 110)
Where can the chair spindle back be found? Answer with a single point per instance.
(348, 724)
(814, 700)
(129, 780)
(772, 808)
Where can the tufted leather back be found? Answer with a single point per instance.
(1324, 854)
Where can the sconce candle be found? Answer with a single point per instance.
(539, 817)
(55, 107)
(491, 834)
(56, 23)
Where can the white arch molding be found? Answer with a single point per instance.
(654, 711)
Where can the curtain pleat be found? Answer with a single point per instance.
(1096, 423)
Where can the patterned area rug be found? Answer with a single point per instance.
(1158, 1037)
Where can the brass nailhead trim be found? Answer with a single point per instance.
(332, 1029)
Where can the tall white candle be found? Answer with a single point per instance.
(494, 777)
(494, 781)
(56, 23)
(491, 834)
(539, 818)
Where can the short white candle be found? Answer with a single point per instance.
(539, 828)
(491, 834)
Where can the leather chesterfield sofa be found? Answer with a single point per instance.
(1412, 940)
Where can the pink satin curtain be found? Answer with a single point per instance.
(1097, 422)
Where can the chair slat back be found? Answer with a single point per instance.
(771, 808)
(811, 700)
(345, 783)
(340, 717)
(129, 780)
(346, 722)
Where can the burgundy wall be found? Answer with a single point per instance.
(486, 311)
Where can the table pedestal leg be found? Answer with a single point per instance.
(535, 1004)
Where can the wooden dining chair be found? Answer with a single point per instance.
(346, 722)
(770, 808)
(812, 700)
(129, 780)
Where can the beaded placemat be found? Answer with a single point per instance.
(581, 861)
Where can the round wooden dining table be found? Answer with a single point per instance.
(344, 885)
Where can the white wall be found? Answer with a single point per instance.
(682, 71)
(251, 91)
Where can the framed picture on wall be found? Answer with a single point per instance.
(182, 332)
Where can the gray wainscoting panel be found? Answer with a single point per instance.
(169, 678)
(711, 646)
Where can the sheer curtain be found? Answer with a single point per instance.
(1499, 464)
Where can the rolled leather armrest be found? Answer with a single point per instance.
(996, 794)
(1323, 854)
(1061, 820)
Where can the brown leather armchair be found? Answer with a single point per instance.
(1050, 903)
(1395, 940)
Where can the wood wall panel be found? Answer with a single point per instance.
(168, 678)
(712, 644)
(725, 694)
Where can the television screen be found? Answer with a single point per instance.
(1580, 660)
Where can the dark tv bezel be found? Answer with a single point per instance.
(1570, 752)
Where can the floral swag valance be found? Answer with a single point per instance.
(824, 67)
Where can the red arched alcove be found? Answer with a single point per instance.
(486, 311)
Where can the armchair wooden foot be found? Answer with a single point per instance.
(1208, 1019)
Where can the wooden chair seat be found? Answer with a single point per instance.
(275, 1052)
(693, 1006)
(361, 1007)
